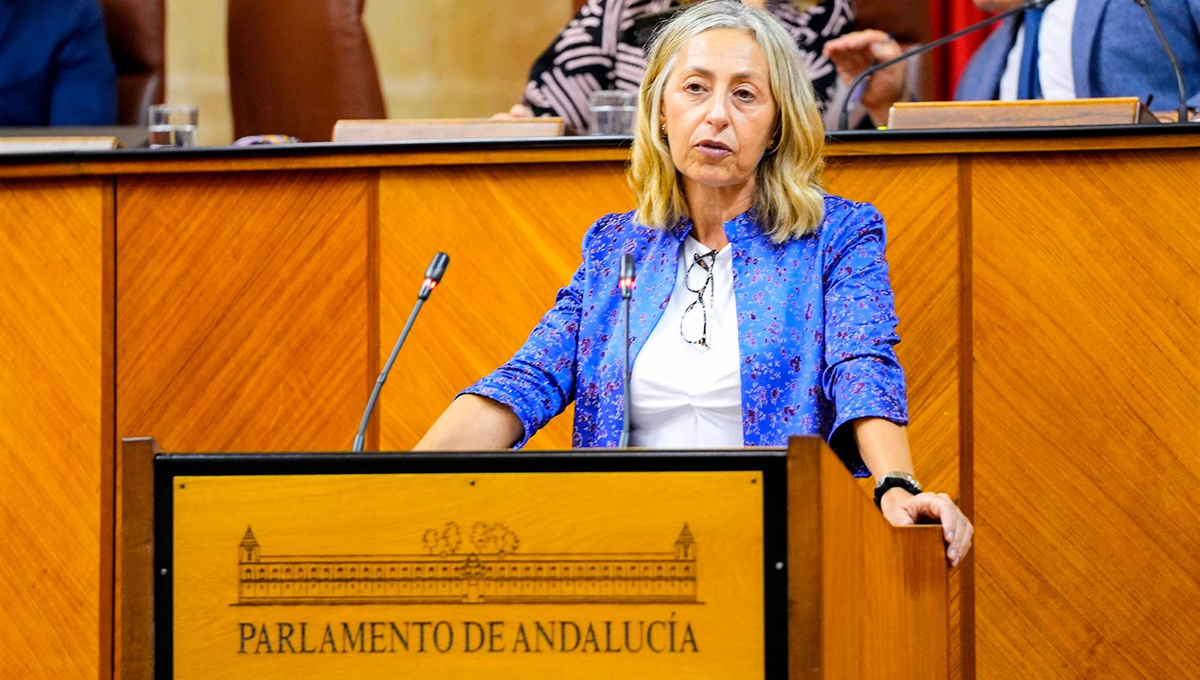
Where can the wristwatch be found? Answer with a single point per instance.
(896, 479)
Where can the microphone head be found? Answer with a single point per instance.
(437, 268)
(433, 275)
(625, 276)
(627, 266)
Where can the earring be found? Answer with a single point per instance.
(772, 147)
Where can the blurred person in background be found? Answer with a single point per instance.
(1071, 49)
(598, 50)
(55, 67)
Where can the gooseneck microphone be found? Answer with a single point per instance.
(844, 116)
(433, 276)
(1162, 38)
(625, 278)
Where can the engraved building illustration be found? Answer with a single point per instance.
(496, 578)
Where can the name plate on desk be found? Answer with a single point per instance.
(445, 128)
(466, 566)
(1023, 113)
(48, 144)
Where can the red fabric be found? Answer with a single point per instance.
(946, 17)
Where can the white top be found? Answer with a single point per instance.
(1055, 73)
(686, 396)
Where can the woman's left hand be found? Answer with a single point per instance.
(902, 508)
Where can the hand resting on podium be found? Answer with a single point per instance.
(473, 423)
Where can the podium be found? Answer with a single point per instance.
(591, 563)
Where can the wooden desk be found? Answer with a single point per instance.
(244, 300)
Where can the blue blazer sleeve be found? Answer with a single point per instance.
(539, 381)
(862, 376)
(84, 88)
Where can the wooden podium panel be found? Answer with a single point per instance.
(244, 299)
(1087, 390)
(866, 599)
(975, 269)
(56, 427)
(514, 240)
(925, 245)
(464, 566)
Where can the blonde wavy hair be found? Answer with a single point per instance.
(789, 197)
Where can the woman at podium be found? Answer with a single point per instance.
(762, 308)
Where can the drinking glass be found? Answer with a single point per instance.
(173, 125)
(613, 112)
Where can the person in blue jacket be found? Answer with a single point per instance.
(763, 306)
(55, 66)
(1083, 48)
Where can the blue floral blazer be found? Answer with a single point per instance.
(815, 315)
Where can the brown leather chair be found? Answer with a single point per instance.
(298, 66)
(135, 31)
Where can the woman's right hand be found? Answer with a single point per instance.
(854, 53)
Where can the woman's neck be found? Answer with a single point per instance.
(711, 207)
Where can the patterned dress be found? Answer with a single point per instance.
(596, 51)
(816, 331)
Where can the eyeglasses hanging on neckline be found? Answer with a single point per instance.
(699, 280)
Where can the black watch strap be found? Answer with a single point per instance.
(891, 483)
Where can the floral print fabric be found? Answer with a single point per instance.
(816, 326)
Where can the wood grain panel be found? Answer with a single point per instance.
(133, 647)
(1087, 386)
(355, 156)
(245, 322)
(566, 150)
(1019, 142)
(865, 599)
(243, 310)
(305, 523)
(918, 198)
(513, 234)
(55, 446)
